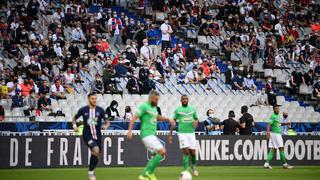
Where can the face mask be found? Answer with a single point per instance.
(128, 50)
(91, 21)
(78, 28)
(114, 107)
(240, 77)
(146, 44)
(248, 76)
(229, 67)
(191, 45)
(270, 80)
(114, 15)
(166, 21)
(3, 83)
(263, 92)
(23, 32)
(211, 115)
(241, 68)
(126, 19)
(285, 116)
(33, 62)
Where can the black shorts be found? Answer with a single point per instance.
(90, 142)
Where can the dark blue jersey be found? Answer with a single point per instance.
(92, 121)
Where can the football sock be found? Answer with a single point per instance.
(152, 164)
(283, 157)
(93, 162)
(186, 159)
(193, 160)
(156, 160)
(270, 156)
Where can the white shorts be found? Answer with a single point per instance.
(152, 143)
(275, 140)
(187, 140)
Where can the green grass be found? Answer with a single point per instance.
(166, 173)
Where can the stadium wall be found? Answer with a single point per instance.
(70, 151)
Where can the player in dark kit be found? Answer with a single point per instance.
(93, 121)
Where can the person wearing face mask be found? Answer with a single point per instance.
(285, 120)
(112, 111)
(269, 85)
(131, 56)
(295, 80)
(22, 38)
(140, 36)
(191, 53)
(115, 29)
(77, 35)
(212, 124)
(238, 82)
(97, 85)
(262, 98)
(146, 53)
(44, 102)
(262, 44)
(249, 82)
(153, 37)
(17, 100)
(229, 74)
(166, 32)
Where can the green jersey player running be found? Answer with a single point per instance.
(188, 121)
(148, 116)
(275, 138)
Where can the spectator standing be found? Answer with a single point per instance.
(115, 29)
(296, 80)
(246, 122)
(230, 126)
(146, 52)
(128, 115)
(166, 32)
(285, 120)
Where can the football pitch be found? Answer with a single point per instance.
(166, 173)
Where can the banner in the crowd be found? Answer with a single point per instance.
(123, 125)
(70, 151)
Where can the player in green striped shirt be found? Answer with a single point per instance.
(275, 138)
(187, 118)
(148, 116)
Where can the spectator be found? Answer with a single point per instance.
(128, 115)
(262, 98)
(192, 76)
(31, 101)
(246, 122)
(249, 82)
(230, 126)
(146, 52)
(272, 99)
(166, 31)
(238, 82)
(133, 85)
(77, 34)
(4, 90)
(112, 111)
(44, 102)
(44, 88)
(269, 85)
(285, 120)
(2, 113)
(296, 80)
(316, 89)
(25, 88)
(308, 78)
(212, 124)
(140, 37)
(115, 29)
(191, 53)
(17, 100)
(57, 90)
(230, 73)
(97, 85)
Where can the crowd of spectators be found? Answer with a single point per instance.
(51, 43)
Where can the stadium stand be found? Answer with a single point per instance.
(210, 47)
